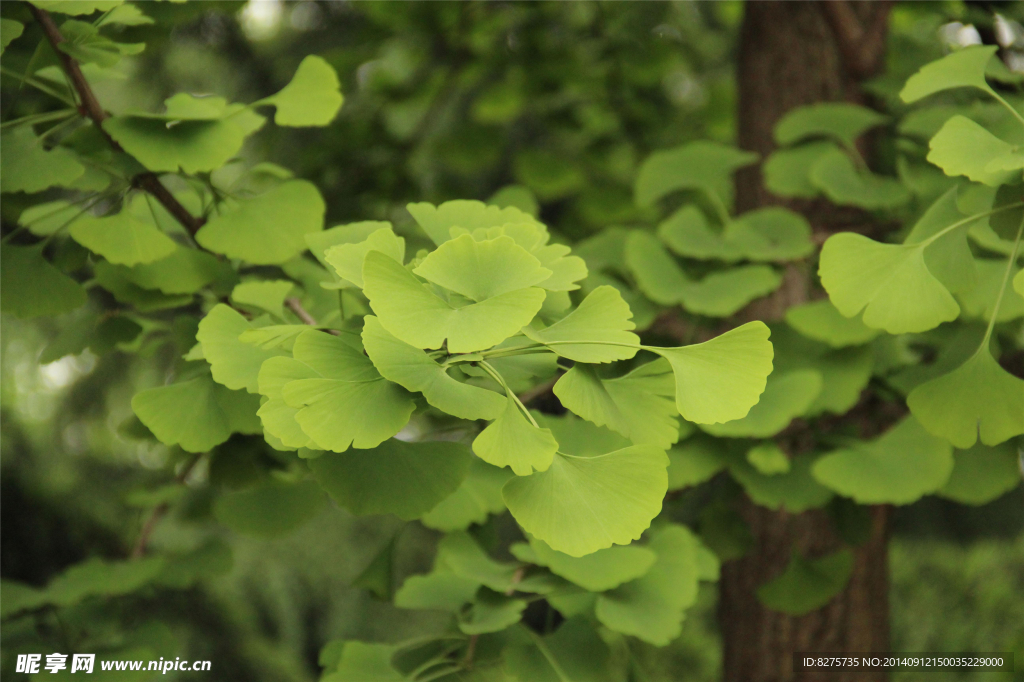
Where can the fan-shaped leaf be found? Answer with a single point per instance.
(277, 416)
(841, 121)
(962, 147)
(807, 584)
(688, 234)
(595, 332)
(347, 259)
(603, 570)
(697, 165)
(977, 398)
(437, 221)
(512, 441)
(269, 228)
(263, 294)
(478, 496)
(482, 270)
(27, 167)
(184, 271)
(31, 287)
(771, 234)
(786, 396)
(795, 490)
(9, 31)
(407, 309)
(233, 363)
(787, 171)
(982, 474)
(404, 479)
(960, 69)
(122, 238)
(821, 321)
(835, 175)
(311, 98)
(900, 467)
(270, 508)
(583, 504)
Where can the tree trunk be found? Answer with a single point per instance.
(793, 54)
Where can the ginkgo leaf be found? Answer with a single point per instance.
(807, 584)
(404, 479)
(184, 271)
(834, 174)
(412, 369)
(583, 504)
(657, 274)
(845, 372)
(312, 97)
(688, 233)
(482, 270)
(122, 238)
(118, 280)
(27, 167)
(695, 460)
(414, 314)
(696, 165)
(269, 228)
(437, 221)
(48, 217)
(347, 259)
(575, 652)
(277, 416)
(196, 414)
(443, 591)
(125, 15)
(463, 556)
(980, 302)
(477, 497)
(233, 363)
(651, 607)
(962, 147)
(978, 398)
(30, 286)
(821, 321)
(841, 121)
(580, 437)
(721, 379)
(491, 612)
(512, 441)
(769, 459)
(596, 331)
(962, 68)
(639, 405)
(9, 31)
(349, 404)
(603, 570)
(270, 508)
(794, 490)
(787, 171)
(352, 233)
(77, 7)
(786, 396)
(1018, 283)
(899, 467)
(982, 474)
(891, 283)
(264, 294)
(84, 42)
(770, 234)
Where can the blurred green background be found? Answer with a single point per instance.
(443, 100)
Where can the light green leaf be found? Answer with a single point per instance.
(982, 474)
(721, 379)
(353, 233)
(962, 147)
(31, 287)
(980, 302)
(460, 553)
(439, 590)
(482, 270)
(786, 396)
(769, 459)
(264, 294)
(807, 584)
(9, 31)
(404, 479)
(196, 414)
(977, 398)
(437, 221)
(407, 309)
(835, 174)
(1018, 283)
(602, 318)
(694, 461)
(361, 662)
(195, 134)
(770, 234)
(269, 228)
(891, 283)
(899, 467)
(27, 167)
(688, 233)
(77, 7)
(83, 42)
(184, 271)
(412, 369)
(119, 281)
(795, 490)
(49, 217)
(477, 497)
(347, 259)
(963, 68)
(821, 321)
(277, 416)
(270, 508)
(787, 171)
(311, 98)
(580, 437)
(583, 504)
(122, 238)
(651, 607)
(533, 237)
(349, 404)
(233, 363)
(639, 405)
(845, 372)
(603, 570)
(512, 441)
(125, 15)
(841, 121)
(574, 653)
(698, 165)
(491, 612)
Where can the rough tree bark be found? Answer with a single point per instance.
(792, 54)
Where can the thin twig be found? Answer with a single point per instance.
(538, 391)
(90, 107)
(139, 550)
(295, 305)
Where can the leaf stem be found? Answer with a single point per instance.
(1006, 104)
(29, 80)
(35, 119)
(966, 221)
(139, 550)
(508, 392)
(1002, 289)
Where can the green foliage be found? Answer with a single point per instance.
(807, 585)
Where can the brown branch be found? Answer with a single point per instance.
(149, 525)
(296, 307)
(862, 48)
(90, 107)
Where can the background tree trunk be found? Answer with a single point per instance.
(793, 54)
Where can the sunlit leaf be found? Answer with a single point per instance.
(786, 396)
(962, 68)
(603, 570)
(122, 238)
(27, 167)
(232, 362)
(696, 165)
(437, 221)
(962, 147)
(512, 441)
(480, 270)
(347, 259)
(311, 98)
(597, 331)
